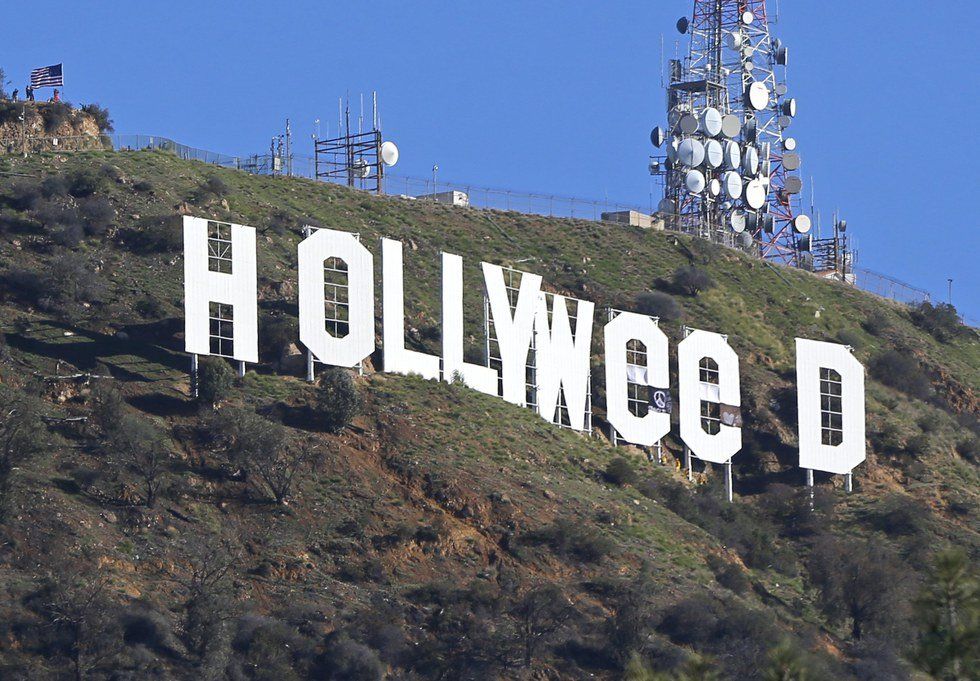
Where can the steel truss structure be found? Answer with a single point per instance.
(353, 158)
(732, 50)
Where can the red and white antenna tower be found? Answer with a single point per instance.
(730, 167)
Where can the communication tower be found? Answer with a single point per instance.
(356, 158)
(729, 165)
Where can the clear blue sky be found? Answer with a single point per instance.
(551, 96)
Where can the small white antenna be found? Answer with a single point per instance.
(360, 119)
(374, 98)
(661, 69)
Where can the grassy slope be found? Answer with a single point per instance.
(423, 453)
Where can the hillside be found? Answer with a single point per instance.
(444, 534)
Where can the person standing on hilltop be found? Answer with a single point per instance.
(56, 97)
(15, 94)
(29, 93)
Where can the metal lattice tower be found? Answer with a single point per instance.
(730, 170)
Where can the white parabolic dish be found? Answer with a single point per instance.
(732, 182)
(714, 154)
(758, 96)
(802, 224)
(694, 181)
(714, 187)
(711, 122)
(755, 194)
(750, 160)
(691, 153)
(389, 153)
(733, 155)
(737, 221)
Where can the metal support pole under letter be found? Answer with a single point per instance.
(241, 370)
(809, 484)
(194, 376)
(309, 365)
(849, 482)
(728, 482)
(687, 463)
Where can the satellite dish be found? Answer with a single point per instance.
(789, 108)
(748, 66)
(749, 130)
(789, 144)
(657, 136)
(691, 153)
(768, 222)
(714, 153)
(750, 160)
(361, 168)
(802, 224)
(781, 89)
(765, 161)
(672, 151)
(792, 185)
(711, 122)
(757, 96)
(726, 205)
(389, 153)
(747, 50)
(782, 55)
(747, 18)
(755, 195)
(731, 126)
(733, 155)
(746, 240)
(682, 25)
(731, 182)
(735, 40)
(785, 122)
(737, 221)
(804, 242)
(666, 206)
(688, 124)
(714, 187)
(791, 161)
(842, 225)
(694, 181)
(752, 221)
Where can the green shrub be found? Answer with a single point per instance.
(658, 304)
(97, 214)
(337, 399)
(940, 320)
(620, 472)
(850, 337)
(101, 116)
(85, 182)
(54, 114)
(691, 280)
(876, 323)
(900, 371)
(214, 380)
(572, 540)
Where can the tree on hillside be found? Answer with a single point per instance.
(139, 447)
(692, 280)
(540, 613)
(658, 304)
(262, 453)
(21, 437)
(948, 615)
(214, 380)
(860, 582)
(337, 399)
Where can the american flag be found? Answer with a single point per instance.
(48, 76)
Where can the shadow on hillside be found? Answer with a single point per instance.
(98, 348)
(159, 404)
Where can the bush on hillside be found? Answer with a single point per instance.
(23, 195)
(850, 337)
(214, 380)
(620, 472)
(901, 371)
(876, 323)
(214, 186)
(657, 304)
(942, 320)
(54, 114)
(101, 116)
(97, 214)
(54, 186)
(337, 399)
(85, 182)
(276, 334)
(571, 539)
(691, 280)
(65, 282)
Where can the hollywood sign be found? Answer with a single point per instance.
(221, 319)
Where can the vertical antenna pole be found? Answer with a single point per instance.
(194, 392)
(729, 494)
